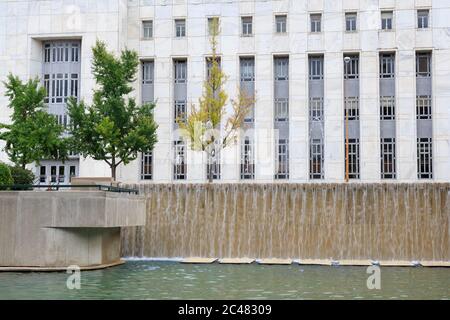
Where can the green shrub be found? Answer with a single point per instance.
(5, 175)
(21, 176)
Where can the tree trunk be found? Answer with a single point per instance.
(113, 169)
(209, 172)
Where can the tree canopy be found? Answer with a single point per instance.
(113, 128)
(33, 134)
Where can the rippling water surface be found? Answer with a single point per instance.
(172, 280)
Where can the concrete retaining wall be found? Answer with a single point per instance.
(58, 229)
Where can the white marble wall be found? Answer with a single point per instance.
(118, 22)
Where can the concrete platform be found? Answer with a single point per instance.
(316, 262)
(358, 263)
(274, 261)
(198, 260)
(55, 229)
(236, 261)
(396, 263)
(59, 269)
(435, 264)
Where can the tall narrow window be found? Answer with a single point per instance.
(213, 165)
(281, 23)
(316, 22)
(180, 111)
(425, 158)
(315, 68)
(281, 109)
(180, 28)
(423, 65)
(422, 19)
(147, 72)
(147, 165)
(387, 65)
(247, 26)
(213, 22)
(247, 159)
(316, 159)
(387, 108)
(47, 52)
(352, 108)
(388, 158)
(281, 69)
(386, 20)
(423, 107)
(147, 29)
(247, 77)
(351, 69)
(282, 159)
(353, 158)
(350, 21)
(180, 167)
(180, 71)
(316, 109)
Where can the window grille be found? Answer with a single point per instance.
(387, 66)
(247, 159)
(316, 109)
(282, 159)
(147, 165)
(423, 107)
(316, 159)
(387, 108)
(353, 158)
(180, 167)
(352, 108)
(351, 69)
(315, 68)
(424, 158)
(388, 158)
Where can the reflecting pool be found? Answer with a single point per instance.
(173, 280)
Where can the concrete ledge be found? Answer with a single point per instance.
(361, 263)
(315, 262)
(198, 260)
(236, 261)
(274, 261)
(59, 269)
(435, 264)
(396, 263)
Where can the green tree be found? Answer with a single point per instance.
(202, 124)
(114, 129)
(33, 134)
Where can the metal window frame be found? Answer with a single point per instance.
(388, 158)
(351, 21)
(247, 69)
(179, 161)
(180, 70)
(148, 72)
(419, 57)
(316, 66)
(282, 159)
(281, 68)
(423, 107)
(316, 22)
(351, 107)
(147, 29)
(281, 23)
(354, 158)
(351, 69)
(247, 166)
(146, 165)
(387, 65)
(180, 28)
(316, 159)
(281, 109)
(180, 110)
(214, 164)
(387, 108)
(424, 158)
(387, 20)
(316, 112)
(247, 26)
(423, 18)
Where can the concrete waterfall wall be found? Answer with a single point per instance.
(317, 221)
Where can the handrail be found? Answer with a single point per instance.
(56, 187)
